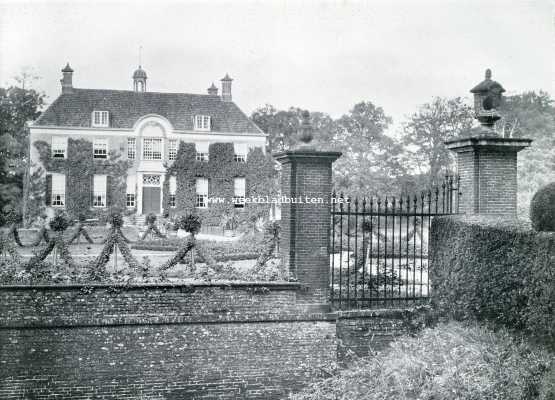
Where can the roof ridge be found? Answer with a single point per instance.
(147, 92)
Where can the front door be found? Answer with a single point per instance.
(151, 200)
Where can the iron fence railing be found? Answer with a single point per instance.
(379, 246)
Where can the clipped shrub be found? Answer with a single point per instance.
(60, 222)
(151, 219)
(116, 220)
(542, 209)
(190, 223)
(492, 270)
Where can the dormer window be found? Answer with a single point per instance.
(100, 119)
(202, 123)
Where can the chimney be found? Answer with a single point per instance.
(213, 90)
(226, 88)
(67, 80)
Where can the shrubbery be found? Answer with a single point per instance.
(542, 209)
(451, 361)
(496, 271)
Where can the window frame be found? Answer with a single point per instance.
(98, 194)
(201, 198)
(236, 197)
(58, 199)
(130, 202)
(103, 119)
(172, 149)
(152, 140)
(97, 155)
(202, 123)
(55, 150)
(131, 149)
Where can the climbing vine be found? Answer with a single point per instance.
(220, 170)
(79, 168)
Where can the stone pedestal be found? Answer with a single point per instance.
(487, 167)
(305, 218)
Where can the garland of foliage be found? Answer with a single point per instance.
(12, 232)
(179, 255)
(58, 224)
(7, 247)
(271, 239)
(80, 231)
(41, 235)
(152, 228)
(115, 238)
(79, 168)
(220, 170)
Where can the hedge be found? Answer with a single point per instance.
(492, 270)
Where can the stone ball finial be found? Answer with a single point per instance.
(306, 128)
(488, 73)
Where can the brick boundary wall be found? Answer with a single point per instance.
(241, 340)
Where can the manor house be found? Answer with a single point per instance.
(144, 128)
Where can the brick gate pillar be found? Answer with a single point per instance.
(486, 162)
(305, 214)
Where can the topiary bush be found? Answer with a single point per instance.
(496, 271)
(542, 209)
(190, 223)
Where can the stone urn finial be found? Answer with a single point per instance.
(487, 98)
(305, 134)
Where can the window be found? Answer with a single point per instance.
(172, 150)
(202, 123)
(131, 148)
(100, 148)
(202, 193)
(173, 190)
(131, 190)
(59, 147)
(130, 200)
(241, 151)
(152, 149)
(202, 151)
(239, 192)
(99, 191)
(100, 119)
(58, 190)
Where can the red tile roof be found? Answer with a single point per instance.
(126, 107)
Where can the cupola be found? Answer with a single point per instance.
(139, 80)
(213, 90)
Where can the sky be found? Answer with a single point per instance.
(318, 55)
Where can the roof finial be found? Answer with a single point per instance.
(488, 73)
(140, 56)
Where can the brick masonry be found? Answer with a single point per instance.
(252, 340)
(488, 174)
(305, 226)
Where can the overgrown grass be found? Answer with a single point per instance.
(450, 361)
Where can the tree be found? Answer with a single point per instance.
(531, 115)
(426, 131)
(370, 160)
(281, 126)
(17, 106)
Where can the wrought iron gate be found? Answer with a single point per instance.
(379, 247)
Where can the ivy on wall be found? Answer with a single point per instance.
(220, 170)
(79, 168)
